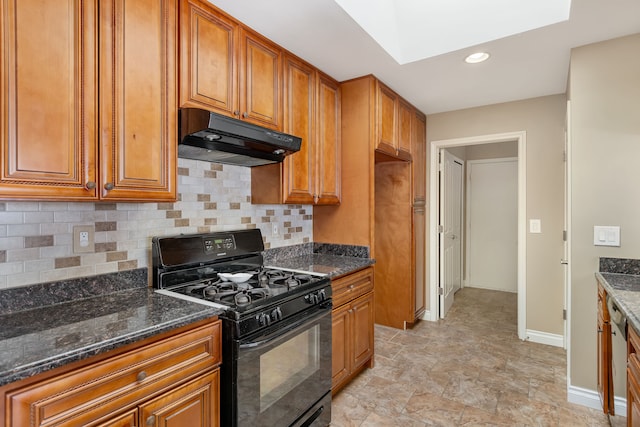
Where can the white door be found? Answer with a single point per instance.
(492, 224)
(451, 173)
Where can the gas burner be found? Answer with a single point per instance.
(263, 279)
(292, 282)
(242, 297)
(218, 287)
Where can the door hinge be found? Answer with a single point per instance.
(564, 235)
(440, 291)
(441, 229)
(564, 314)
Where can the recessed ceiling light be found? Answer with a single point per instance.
(474, 58)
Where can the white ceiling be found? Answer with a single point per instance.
(525, 65)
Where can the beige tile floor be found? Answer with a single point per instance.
(467, 370)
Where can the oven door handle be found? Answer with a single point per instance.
(285, 330)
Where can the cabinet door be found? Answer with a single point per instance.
(48, 75)
(341, 345)
(260, 80)
(602, 367)
(208, 66)
(138, 106)
(362, 314)
(405, 129)
(194, 404)
(419, 158)
(328, 140)
(298, 168)
(386, 105)
(128, 419)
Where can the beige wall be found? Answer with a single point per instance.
(497, 150)
(543, 119)
(605, 150)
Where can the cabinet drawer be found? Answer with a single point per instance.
(352, 286)
(97, 390)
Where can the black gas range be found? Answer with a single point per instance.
(276, 367)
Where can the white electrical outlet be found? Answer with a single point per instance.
(274, 229)
(83, 239)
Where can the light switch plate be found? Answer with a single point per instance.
(606, 235)
(535, 226)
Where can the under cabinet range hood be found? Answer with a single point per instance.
(215, 138)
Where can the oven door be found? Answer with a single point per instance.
(285, 370)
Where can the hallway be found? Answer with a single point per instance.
(469, 369)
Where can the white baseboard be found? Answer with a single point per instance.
(620, 405)
(591, 399)
(427, 316)
(544, 338)
(584, 397)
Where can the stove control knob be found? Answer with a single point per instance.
(264, 319)
(276, 314)
(322, 294)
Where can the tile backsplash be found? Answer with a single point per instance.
(36, 238)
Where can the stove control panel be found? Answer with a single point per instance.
(219, 245)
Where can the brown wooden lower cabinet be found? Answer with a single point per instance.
(633, 378)
(604, 354)
(171, 381)
(352, 332)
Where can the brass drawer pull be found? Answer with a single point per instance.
(141, 376)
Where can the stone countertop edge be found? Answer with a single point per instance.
(40, 348)
(628, 301)
(331, 265)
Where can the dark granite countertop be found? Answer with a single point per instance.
(39, 339)
(620, 287)
(48, 325)
(620, 277)
(331, 265)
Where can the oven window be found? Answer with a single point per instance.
(286, 366)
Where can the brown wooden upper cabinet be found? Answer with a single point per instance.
(72, 126)
(394, 123)
(228, 68)
(419, 157)
(312, 112)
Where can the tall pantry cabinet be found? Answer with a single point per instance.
(88, 100)
(383, 195)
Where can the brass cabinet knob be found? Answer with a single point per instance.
(245, 114)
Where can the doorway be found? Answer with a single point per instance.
(433, 229)
(492, 227)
